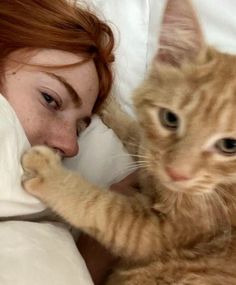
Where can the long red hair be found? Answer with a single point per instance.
(58, 24)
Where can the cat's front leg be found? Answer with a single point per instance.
(125, 225)
(62, 190)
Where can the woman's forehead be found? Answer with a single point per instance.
(45, 57)
(82, 78)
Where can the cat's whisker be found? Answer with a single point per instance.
(128, 170)
(133, 143)
(140, 164)
(136, 167)
(140, 146)
(133, 166)
(220, 214)
(132, 156)
(144, 161)
(207, 209)
(127, 155)
(136, 163)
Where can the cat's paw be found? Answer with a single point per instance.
(40, 164)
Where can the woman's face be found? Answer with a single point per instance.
(51, 103)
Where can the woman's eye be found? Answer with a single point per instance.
(50, 100)
(168, 119)
(226, 146)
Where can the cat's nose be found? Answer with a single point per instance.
(176, 175)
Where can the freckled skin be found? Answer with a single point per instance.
(53, 120)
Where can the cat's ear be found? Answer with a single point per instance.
(181, 37)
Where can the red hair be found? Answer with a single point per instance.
(58, 24)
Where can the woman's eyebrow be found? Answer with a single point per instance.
(71, 91)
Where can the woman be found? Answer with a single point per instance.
(56, 48)
(55, 64)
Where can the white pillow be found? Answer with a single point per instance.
(13, 142)
(31, 253)
(102, 159)
(130, 21)
(218, 21)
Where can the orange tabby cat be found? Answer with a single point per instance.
(180, 229)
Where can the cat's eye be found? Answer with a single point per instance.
(168, 119)
(227, 146)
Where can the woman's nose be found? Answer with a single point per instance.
(65, 142)
(70, 148)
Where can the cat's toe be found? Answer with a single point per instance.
(38, 159)
(31, 182)
(38, 164)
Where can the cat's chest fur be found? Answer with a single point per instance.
(190, 229)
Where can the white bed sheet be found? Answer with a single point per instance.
(39, 254)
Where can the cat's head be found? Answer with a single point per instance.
(187, 108)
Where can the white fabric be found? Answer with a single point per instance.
(130, 23)
(39, 254)
(31, 251)
(13, 142)
(102, 158)
(218, 21)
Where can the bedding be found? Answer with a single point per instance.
(31, 252)
(14, 200)
(45, 253)
(39, 254)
